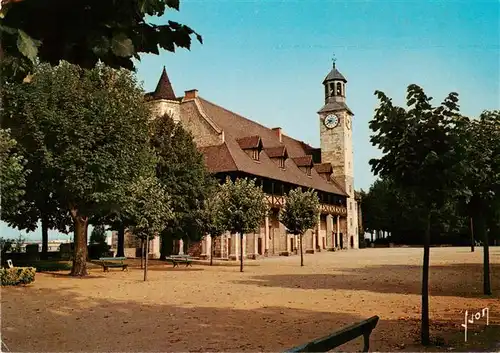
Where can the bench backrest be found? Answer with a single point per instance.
(338, 338)
(112, 258)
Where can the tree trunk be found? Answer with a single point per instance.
(146, 259)
(241, 251)
(471, 235)
(301, 252)
(480, 230)
(80, 253)
(120, 251)
(142, 253)
(212, 250)
(45, 239)
(425, 285)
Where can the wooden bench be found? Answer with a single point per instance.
(107, 262)
(338, 338)
(179, 259)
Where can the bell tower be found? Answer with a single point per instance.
(335, 120)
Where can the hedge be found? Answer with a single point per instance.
(17, 275)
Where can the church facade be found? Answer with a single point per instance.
(235, 146)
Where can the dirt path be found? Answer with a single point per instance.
(275, 304)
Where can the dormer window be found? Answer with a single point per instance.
(305, 163)
(325, 170)
(278, 155)
(252, 145)
(255, 154)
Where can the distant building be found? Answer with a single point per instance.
(235, 146)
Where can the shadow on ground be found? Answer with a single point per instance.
(35, 319)
(398, 279)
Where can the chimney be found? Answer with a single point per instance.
(277, 131)
(191, 94)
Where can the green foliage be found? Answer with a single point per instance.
(243, 205)
(113, 32)
(17, 275)
(151, 209)
(212, 215)
(89, 131)
(181, 170)
(300, 211)
(482, 173)
(98, 235)
(423, 155)
(49, 266)
(421, 150)
(12, 174)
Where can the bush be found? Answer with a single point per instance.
(17, 275)
(98, 250)
(52, 266)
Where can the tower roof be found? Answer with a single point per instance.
(164, 88)
(334, 75)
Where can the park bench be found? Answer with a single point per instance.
(338, 338)
(107, 262)
(180, 259)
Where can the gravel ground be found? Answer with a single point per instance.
(275, 304)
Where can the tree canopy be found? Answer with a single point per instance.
(300, 213)
(12, 175)
(243, 206)
(150, 210)
(91, 128)
(181, 170)
(84, 32)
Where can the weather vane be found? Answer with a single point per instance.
(334, 59)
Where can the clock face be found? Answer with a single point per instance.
(331, 121)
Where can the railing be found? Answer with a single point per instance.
(325, 344)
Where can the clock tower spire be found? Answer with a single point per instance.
(335, 119)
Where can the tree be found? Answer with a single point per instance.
(98, 235)
(482, 178)
(213, 219)
(150, 211)
(243, 208)
(181, 170)
(12, 174)
(423, 155)
(91, 126)
(299, 214)
(84, 32)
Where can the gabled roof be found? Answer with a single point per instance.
(249, 142)
(303, 161)
(239, 131)
(323, 168)
(278, 151)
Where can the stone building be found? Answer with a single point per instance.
(236, 146)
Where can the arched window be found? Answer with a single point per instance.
(339, 89)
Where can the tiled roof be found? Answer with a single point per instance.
(303, 161)
(249, 142)
(278, 151)
(230, 154)
(334, 75)
(323, 168)
(163, 89)
(333, 106)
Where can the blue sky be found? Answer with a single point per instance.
(266, 60)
